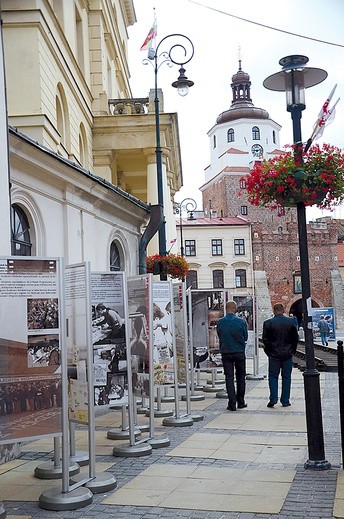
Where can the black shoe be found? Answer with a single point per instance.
(271, 404)
(242, 406)
(286, 405)
(231, 408)
(327, 344)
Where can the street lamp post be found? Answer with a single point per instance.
(293, 79)
(189, 205)
(181, 52)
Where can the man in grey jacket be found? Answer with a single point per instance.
(280, 340)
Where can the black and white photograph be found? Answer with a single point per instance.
(43, 350)
(42, 314)
(138, 301)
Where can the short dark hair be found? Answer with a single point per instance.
(278, 308)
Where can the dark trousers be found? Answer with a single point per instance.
(285, 367)
(237, 361)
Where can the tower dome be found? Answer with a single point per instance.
(242, 106)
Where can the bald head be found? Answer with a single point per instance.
(231, 307)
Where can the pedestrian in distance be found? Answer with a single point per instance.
(295, 320)
(233, 335)
(280, 340)
(324, 329)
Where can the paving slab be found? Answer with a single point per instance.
(195, 488)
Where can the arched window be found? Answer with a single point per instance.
(218, 280)
(274, 136)
(83, 146)
(191, 279)
(79, 39)
(255, 133)
(214, 141)
(21, 241)
(62, 120)
(230, 135)
(115, 257)
(240, 278)
(280, 230)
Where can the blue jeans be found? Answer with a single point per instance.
(323, 338)
(277, 366)
(230, 361)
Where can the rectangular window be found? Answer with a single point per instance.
(216, 247)
(240, 278)
(218, 279)
(297, 284)
(243, 210)
(239, 247)
(190, 247)
(191, 279)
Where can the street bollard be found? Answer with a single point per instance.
(341, 392)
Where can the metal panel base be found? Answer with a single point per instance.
(197, 417)
(143, 427)
(121, 434)
(81, 458)
(142, 410)
(161, 412)
(54, 499)
(194, 398)
(132, 451)
(172, 421)
(168, 398)
(211, 389)
(161, 441)
(48, 470)
(104, 482)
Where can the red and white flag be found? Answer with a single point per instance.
(325, 117)
(150, 37)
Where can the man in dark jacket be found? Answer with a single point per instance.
(280, 340)
(233, 335)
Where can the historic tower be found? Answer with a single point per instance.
(242, 135)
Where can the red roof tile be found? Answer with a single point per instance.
(233, 220)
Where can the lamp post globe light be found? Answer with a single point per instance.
(294, 77)
(181, 51)
(189, 205)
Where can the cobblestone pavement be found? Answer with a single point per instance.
(311, 494)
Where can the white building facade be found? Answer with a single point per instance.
(82, 167)
(218, 251)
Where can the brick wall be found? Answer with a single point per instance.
(275, 244)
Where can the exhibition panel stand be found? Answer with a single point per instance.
(80, 315)
(177, 332)
(138, 303)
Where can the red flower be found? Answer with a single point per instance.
(174, 265)
(286, 180)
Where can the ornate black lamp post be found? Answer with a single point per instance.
(293, 79)
(189, 205)
(180, 53)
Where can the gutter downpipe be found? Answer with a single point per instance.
(154, 224)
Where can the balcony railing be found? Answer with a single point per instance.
(132, 106)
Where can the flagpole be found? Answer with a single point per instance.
(323, 119)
